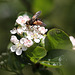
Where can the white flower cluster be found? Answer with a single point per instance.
(32, 34)
(72, 39)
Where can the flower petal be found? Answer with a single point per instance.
(43, 30)
(22, 40)
(72, 39)
(24, 48)
(18, 51)
(14, 39)
(13, 31)
(37, 40)
(19, 31)
(13, 48)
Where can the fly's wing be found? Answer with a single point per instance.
(33, 19)
(37, 22)
(37, 14)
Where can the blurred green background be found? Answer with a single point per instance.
(55, 13)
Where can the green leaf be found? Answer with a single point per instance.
(13, 64)
(8, 62)
(57, 39)
(54, 58)
(35, 54)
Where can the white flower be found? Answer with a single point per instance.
(22, 20)
(37, 40)
(29, 35)
(13, 31)
(28, 42)
(35, 34)
(18, 48)
(35, 26)
(43, 39)
(42, 30)
(38, 26)
(19, 31)
(26, 17)
(14, 39)
(72, 39)
(24, 27)
(40, 36)
(73, 48)
(32, 33)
